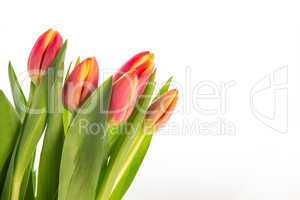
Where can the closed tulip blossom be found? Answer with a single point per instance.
(43, 53)
(161, 110)
(128, 84)
(82, 81)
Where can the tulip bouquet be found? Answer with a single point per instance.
(94, 138)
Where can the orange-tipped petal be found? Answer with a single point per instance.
(51, 52)
(161, 110)
(91, 81)
(43, 53)
(81, 83)
(143, 79)
(124, 95)
(139, 63)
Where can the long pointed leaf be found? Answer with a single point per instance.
(133, 162)
(84, 149)
(9, 124)
(165, 87)
(17, 93)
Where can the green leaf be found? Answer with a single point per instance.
(26, 186)
(30, 133)
(165, 87)
(7, 187)
(9, 125)
(30, 192)
(70, 66)
(67, 115)
(54, 137)
(31, 93)
(68, 71)
(117, 167)
(67, 119)
(114, 132)
(135, 157)
(17, 93)
(84, 149)
(3, 175)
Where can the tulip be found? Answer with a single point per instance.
(161, 110)
(128, 84)
(82, 81)
(43, 53)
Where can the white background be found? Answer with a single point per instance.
(196, 41)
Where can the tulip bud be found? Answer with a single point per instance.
(143, 65)
(161, 110)
(128, 84)
(43, 53)
(82, 81)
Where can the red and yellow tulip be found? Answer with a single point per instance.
(43, 53)
(82, 81)
(128, 84)
(161, 110)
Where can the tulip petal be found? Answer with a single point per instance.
(51, 52)
(124, 95)
(133, 63)
(143, 79)
(72, 92)
(91, 80)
